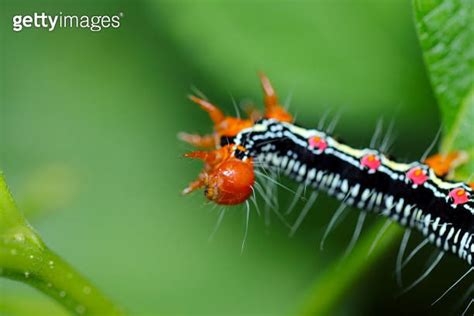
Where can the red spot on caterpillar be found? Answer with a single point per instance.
(226, 179)
(459, 196)
(417, 175)
(318, 142)
(370, 161)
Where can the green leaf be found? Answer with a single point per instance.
(446, 32)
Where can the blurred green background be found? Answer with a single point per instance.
(88, 145)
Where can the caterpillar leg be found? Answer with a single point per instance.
(272, 107)
(200, 141)
(444, 164)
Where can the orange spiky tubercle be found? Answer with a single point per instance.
(226, 179)
(223, 125)
(273, 109)
(443, 164)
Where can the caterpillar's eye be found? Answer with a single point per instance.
(231, 183)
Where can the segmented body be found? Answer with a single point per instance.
(411, 194)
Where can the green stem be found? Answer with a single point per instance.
(325, 293)
(24, 257)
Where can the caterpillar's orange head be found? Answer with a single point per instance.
(226, 179)
(231, 183)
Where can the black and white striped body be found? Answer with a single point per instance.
(377, 184)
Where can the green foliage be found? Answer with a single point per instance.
(24, 257)
(311, 48)
(446, 32)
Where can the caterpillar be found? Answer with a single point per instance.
(416, 195)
